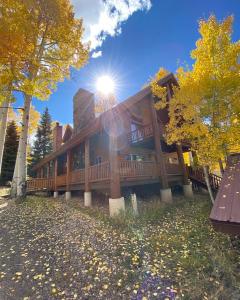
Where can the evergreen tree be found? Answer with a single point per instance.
(10, 152)
(43, 140)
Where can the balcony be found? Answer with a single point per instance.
(140, 134)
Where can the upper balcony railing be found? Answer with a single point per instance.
(140, 134)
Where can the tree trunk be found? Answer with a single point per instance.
(22, 149)
(221, 166)
(3, 128)
(13, 192)
(206, 175)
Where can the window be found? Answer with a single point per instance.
(136, 133)
(135, 157)
(98, 160)
(78, 157)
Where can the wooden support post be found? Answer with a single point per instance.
(115, 190)
(68, 179)
(55, 194)
(55, 172)
(158, 148)
(68, 176)
(87, 165)
(187, 187)
(116, 202)
(87, 193)
(182, 163)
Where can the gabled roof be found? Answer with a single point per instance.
(97, 122)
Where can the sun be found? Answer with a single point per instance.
(105, 85)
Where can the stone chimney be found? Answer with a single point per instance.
(83, 110)
(57, 136)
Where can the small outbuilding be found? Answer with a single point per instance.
(225, 214)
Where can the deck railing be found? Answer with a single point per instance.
(38, 184)
(140, 134)
(77, 176)
(61, 180)
(99, 172)
(197, 176)
(130, 168)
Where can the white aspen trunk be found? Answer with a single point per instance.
(206, 175)
(22, 149)
(14, 180)
(1, 111)
(3, 128)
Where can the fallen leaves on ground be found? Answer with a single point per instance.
(50, 250)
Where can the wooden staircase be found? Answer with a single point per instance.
(198, 179)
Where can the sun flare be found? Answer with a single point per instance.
(105, 85)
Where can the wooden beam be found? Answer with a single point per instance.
(159, 153)
(87, 165)
(182, 163)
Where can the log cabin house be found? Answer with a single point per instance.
(123, 147)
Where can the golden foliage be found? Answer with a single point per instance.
(33, 120)
(159, 91)
(39, 42)
(205, 107)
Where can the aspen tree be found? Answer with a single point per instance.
(205, 107)
(51, 37)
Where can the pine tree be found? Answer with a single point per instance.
(43, 143)
(10, 152)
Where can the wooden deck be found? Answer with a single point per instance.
(130, 171)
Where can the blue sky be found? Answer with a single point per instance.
(162, 35)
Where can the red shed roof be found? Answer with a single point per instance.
(225, 214)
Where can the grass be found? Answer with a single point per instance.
(183, 247)
(167, 252)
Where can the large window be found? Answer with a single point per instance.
(51, 168)
(135, 157)
(78, 157)
(62, 164)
